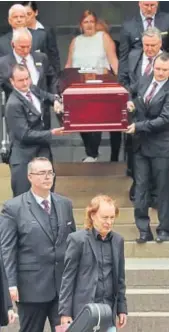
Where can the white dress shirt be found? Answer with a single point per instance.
(39, 200)
(36, 102)
(145, 23)
(145, 62)
(38, 26)
(30, 65)
(160, 85)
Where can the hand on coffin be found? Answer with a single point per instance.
(130, 106)
(131, 129)
(57, 131)
(66, 320)
(58, 107)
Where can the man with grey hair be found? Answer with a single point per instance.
(140, 61)
(34, 228)
(37, 63)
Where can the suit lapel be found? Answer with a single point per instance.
(160, 94)
(27, 103)
(35, 211)
(59, 208)
(92, 243)
(139, 24)
(115, 264)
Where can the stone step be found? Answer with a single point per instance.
(81, 189)
(137, 322)
(146, 250)
(147, 300)
(90, 169)
(147, 322)
(147, 272)
(126, 216)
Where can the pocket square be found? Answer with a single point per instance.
(137, 38)
(69, 223)
(38, 64)
(37, 51)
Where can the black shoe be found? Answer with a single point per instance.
(145, 237)
(162, 236)
(132, 192)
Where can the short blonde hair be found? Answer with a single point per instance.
(94, 206)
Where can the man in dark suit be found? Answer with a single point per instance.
(42, 40)
(140, 63)
(141, 60)
(34, 227)
(151, 148)
(40, 70)
(94, 265)
(6, 312)
(131, 33)
(24, 117)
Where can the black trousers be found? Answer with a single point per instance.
(115, 143)
(32, 316)
(146, 169)
(91, 143)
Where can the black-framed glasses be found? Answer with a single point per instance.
(44, 173)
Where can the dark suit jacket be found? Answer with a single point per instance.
(131, 37)
(5, 300)
(80, 275)
(133, 73)
(42, 65)
(33, 259)
(43, 40)
(25, 127)
(152, 121)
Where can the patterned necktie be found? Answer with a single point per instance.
(149, 21)
(29, 96)
(46, 206)
(24, 62)
(151, 93)
(148, 67)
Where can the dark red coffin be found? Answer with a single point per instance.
(94, 103)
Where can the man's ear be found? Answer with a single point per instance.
(12, 82)
(9, 21)
(36, 14)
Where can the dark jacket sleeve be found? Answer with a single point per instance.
(52, 50)
(158, 124)
(121, 299)
(8, 231)
(18, 124)
(72, 257)
(125, 48)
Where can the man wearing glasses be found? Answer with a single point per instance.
(34, 227)
(25, 123)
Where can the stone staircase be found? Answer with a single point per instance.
(147, 266)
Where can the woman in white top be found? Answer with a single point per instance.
(92, 49)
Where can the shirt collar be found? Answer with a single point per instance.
(38, 26)
(145, 18)
(39, 199)
(19, 58)
(98, 236)
(147, 57)
(22, 93)
(160, 83)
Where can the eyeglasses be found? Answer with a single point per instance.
(44, 173)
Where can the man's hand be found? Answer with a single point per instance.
(131, 129)
(57, 131)
(14, 293)
(66, 320)
(58, 107)
(122, 320)
(11, 316)
(130, 106)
